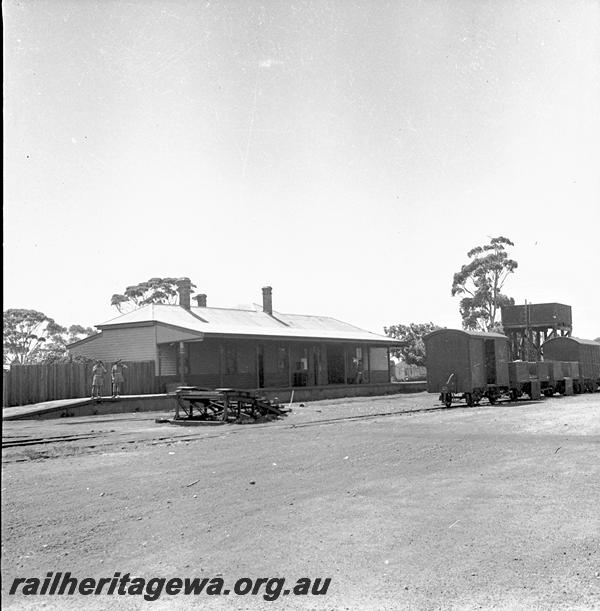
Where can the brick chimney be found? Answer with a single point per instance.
(267, 300)
(184, 287)
(200, 300)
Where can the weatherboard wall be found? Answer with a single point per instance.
(128, 343)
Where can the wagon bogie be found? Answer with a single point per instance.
(446, 398)
(493, 395)
(472, 396)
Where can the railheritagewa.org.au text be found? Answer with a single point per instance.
(152, 588)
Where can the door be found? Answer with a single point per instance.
(490, 361)
(336, 364)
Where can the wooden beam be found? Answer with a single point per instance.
(221, 363)
(345, 364)
(257, 366)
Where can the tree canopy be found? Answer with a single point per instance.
(481, 282)
(55, 350)
(32, 337)
(25, 333)
(413, 352)
(155, 290)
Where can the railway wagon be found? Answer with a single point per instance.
(547, 373)
(543, 374)
(526, 377)
(585, 352)
(559, 372)
(466, 365)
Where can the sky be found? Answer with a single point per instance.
(347, 153)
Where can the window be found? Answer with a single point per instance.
(282, 358)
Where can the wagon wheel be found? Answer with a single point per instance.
(447, 399)
(469, 399)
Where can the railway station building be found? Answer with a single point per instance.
(242, 348)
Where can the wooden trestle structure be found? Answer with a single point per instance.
(223, 405)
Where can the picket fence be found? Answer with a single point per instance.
(27, 384)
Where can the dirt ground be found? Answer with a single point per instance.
(403, 505)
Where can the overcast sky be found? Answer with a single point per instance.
(347, 153)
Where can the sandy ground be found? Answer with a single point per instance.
(403, 505)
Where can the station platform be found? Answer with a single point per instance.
(86, 406)
(65, 408)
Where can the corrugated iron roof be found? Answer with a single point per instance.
(224, 321)
(482, 334)
(577, 340)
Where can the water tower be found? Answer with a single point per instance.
(529, 326)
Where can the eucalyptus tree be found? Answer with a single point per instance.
(481, 281)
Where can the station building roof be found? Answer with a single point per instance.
(209, 321)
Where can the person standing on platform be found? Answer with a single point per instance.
(98, 373)
(117, 378)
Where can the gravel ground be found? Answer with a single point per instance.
(401, 504)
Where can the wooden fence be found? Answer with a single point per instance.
(402, 372)
(26, 384)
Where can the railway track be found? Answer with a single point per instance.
(115, 438)
(10, 442)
